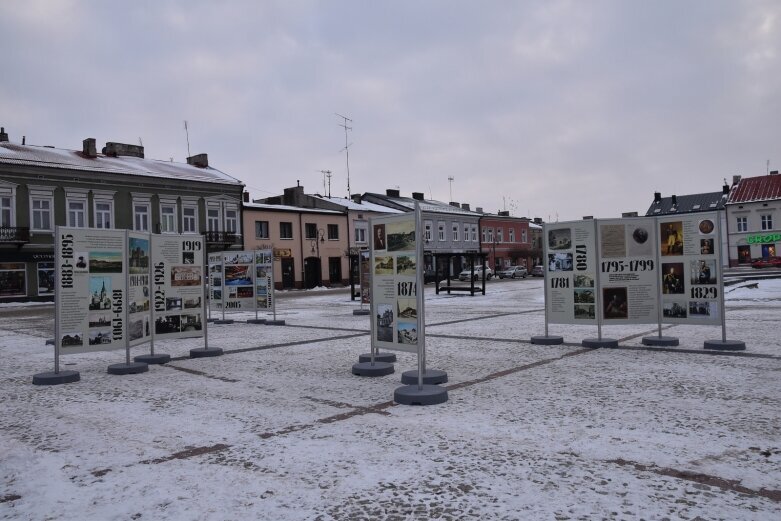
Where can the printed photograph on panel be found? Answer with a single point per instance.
(671, 238)
(672, 278)
(384, 323)
(239, 258)
(585, 311)
(99, 337)
(217, 281)
(138, 256)
(105, 262)
(191, 303)
(584, 296)
(408, 333)
(583, 281)
(217, 294)
(167, 324)
(99, 320)
(612, 240)
(699, 309)
(706, 227)
(188, 257)
(190, 322)
(72, 339)
(407, 308)
(559, 262)
(45, 278)
(638, 244)
(135, 329)
(244, 292)
(703, 272)
(560, 239)
(139, 306)
(186, 276)
(706, 246)
(401, 236)
(383, 265)
(673, 310)
(615, 300)
(99, 293)
(380, 241)
(216, 268)
(173, 303)
(263, 257)
(405, 265)
(237, 276)
(82, 261)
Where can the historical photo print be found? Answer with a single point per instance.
(560, 239)
(138, 256)
(408, 333)
(615, 303)
(405, 265)
(105, 262)
(401, 236)
(671, 238)
(672, 278)
(384, 323)
(703, 272)
(383, 265)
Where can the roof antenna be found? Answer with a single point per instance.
(346, 149)
(187, 133)
(326, 173)
(451, 179)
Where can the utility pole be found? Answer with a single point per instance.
(346, 148)
(187, 133)
(451, 179)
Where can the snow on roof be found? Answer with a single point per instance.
(762, 188)
(364, 206)
(287, 208)
(49, 157)
(426, 205)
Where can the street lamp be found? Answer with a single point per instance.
(315, 243)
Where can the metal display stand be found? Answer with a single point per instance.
(206, 351)
(153, 358)
(546, 339)
(599, 341)
(659, 340)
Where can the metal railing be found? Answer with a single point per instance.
(14, 234)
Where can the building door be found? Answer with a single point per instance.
(288, 273)
(335, 270)
(312, 272)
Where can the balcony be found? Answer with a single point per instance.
(223, 239)
(14, 235)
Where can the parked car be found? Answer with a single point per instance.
(464, 275)
(429, 275)
(538, 271)
(766, 262)
(513, 272)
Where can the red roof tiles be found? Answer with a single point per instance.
(762, 188)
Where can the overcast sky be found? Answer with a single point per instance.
(549, 109)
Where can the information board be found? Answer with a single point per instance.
(264, 279)
(571, 264)
(91, 294)
(139, 328)
(238, 280)
(215, 281)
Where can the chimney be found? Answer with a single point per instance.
(657, 197)
(293, 196)
(674, 200)
(774, 172)
(121, 149)
(537, 220)
(735, 179)
(725, 189)
(3, 135)
(88, 148)
(588, 217)
(246, 197)
(465, 206)
(356, 198)
(504, 213)
(479, 209)
(629, 214)
(418, 196)
(199, 160)
(453, 203)
(392, 193)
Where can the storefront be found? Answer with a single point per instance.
(27, 276)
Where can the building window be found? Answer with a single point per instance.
(310, 231)
(427, 231)
(261, 229)
(286, 230)
(6, 211)
(455, 232)
(333, 232)
(77, 214)
(742, 224)
(500, 235)
(474, 233)
(360, 235)
(512, 234)
(231, 220)
(141, 217)
(189, 221)
(466, 232)
(13, 281)
(42, 213)
(103, 214)
(168, 218)
(767, 222)
(523, 236)
(441, 229)
(490, 235)
(213, 219)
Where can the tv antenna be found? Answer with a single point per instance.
(187, 133)
(346, 148)
(451, 179)
(326, 173)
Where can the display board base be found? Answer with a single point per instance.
(223, 321)
(52, 378)
(424, 395)
(154, 359)
(131, 368)
(369, 369)
(661, 341)
(257, 321)
(210, 319)
(430, 377)
(599, 342)
(362, 312)
(205, 352)
(725, 345)
(547, 340)
(275, 322)
(378, 357)
(49, 342)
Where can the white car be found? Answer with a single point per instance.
(478, 273)
(513, 272)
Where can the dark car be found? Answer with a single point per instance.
(766, 262)
(429, 275)
(538, 271)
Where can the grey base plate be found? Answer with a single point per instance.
(52, 378)
(367, 369)
(131, 368)
(203, 352)
(430, 377)
(600, 342)
(725, 345)
(226, 321)
(662, 341)
(275, 322)
(378, 357)
(361, 312)
(157, 358)
(547, 340)
(426, 395)
(256, 321)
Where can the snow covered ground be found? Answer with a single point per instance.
(278, 428)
